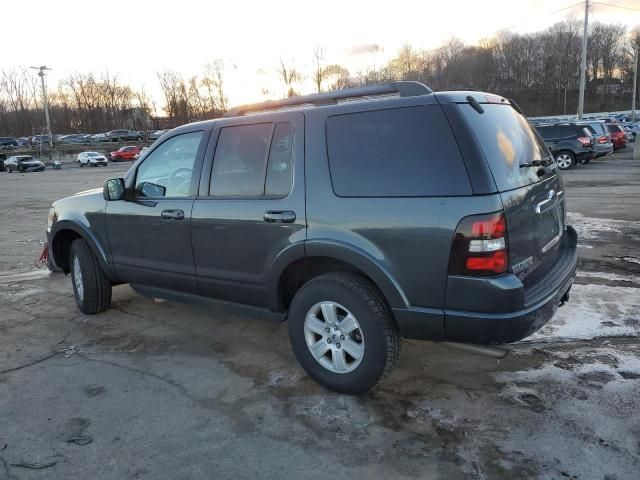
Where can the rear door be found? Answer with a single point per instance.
(533, 197)
(251, 207)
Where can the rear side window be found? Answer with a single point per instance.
(240, 160)
(253, 161)
(507, 141)
(402, 152)
(280, 167)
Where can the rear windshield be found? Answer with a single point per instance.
(507, 141)
(614, 128)
(598, 128)
(564, 131)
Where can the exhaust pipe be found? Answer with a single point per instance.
(483, 350)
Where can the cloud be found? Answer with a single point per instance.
(362, 49)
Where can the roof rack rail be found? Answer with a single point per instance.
(403, 88)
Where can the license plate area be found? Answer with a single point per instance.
(550, 217)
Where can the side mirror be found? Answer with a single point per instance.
(113, 189)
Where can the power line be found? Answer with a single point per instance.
(624, 7)
(545, 14)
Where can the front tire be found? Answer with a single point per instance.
(565, 160)
(91, 287)
(342, 333)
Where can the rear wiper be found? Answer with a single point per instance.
(537, 163)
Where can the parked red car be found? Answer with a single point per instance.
(124, 153)
(618, 136)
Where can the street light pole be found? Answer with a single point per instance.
(41, 74)
(583, 63)
(635, 82)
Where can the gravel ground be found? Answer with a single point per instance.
(160, 390)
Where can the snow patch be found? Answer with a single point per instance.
(594, 311)
(591, 228)
(630, 259)
(613, 277)
(549, 372)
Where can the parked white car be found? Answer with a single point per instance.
(93, 159)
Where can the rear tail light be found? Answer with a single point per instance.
(585, 141)
(602, 139)
(480, 246)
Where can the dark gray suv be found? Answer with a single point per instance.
(362, 216)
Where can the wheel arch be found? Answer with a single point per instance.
(63, 234)
(321, 257)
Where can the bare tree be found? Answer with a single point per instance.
(289, 76)
(319, 73)
(213, 82)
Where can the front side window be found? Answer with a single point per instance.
(167, 171)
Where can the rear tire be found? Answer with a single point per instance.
(565, 160)
(362, 344)
(91, 287)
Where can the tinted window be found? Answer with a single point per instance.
(401, 152)
(562, 131)
(614, 128)
(239, 163)
(167, 171)
(599, 128)
(507, 141)
(280, 166)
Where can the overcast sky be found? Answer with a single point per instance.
(135, 39)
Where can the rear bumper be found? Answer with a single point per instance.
(604, 150)
(538, 304)
(507, 311)
(585, 155)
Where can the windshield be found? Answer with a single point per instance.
(507, 141)
(93, 154)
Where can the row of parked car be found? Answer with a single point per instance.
(120, 135)
(577, 142)
(27, 163)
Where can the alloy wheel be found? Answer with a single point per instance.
(334, 337)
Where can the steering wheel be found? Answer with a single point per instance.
(177, 180)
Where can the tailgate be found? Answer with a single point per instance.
(532, 196)
(535, 217)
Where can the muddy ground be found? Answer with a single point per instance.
(160, 390)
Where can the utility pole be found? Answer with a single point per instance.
(583, 63)
(41, 74)
(635, 79)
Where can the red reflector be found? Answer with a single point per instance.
(584, 140)
(497, 262)
(492, 228)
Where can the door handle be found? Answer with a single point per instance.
(279, 216)
(172, 215)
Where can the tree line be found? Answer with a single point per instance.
(540, 71)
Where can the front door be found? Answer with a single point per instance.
(149, 232)
(251, 207)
